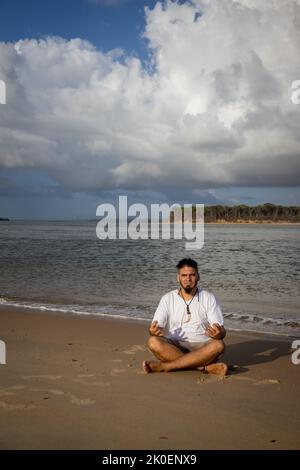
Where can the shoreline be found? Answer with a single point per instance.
(76, 382)
(221, 222)
(138, 321)
(244, 222)
(252, 222)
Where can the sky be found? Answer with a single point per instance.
(163, 101)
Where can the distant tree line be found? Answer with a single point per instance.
(242, 213)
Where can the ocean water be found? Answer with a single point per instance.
(63, 267)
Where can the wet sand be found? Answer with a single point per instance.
(75, 382)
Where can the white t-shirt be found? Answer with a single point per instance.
(171, 314)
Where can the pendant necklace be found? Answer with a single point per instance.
(188, 312)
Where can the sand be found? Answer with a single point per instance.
(75, 382)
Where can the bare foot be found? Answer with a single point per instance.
(218, 368)
(146, 367)
(152, 367)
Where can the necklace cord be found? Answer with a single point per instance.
(188, 304)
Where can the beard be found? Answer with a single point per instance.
(187, 289)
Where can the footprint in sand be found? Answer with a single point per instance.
(73, 398)
(5, 393)
(210, 378)
(135, 348)
(267, 382)
(47, 377)
(15, 387)
(85, 376)
(9, 392)
(240, 378)
(116, 372)
(82, 380)
(81, 401)
(17, 406)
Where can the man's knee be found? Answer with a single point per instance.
(219, 345)
(155, 343)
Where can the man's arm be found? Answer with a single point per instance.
(215, 328)
(160, 318)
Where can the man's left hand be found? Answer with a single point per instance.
(215, 331)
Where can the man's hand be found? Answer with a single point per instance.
(155, 329)
(215, 331)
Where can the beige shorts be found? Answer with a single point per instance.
(186, 346)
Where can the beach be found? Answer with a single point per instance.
(76, 382)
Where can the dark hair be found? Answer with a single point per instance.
(187, 262)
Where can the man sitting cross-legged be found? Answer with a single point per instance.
(187, 330)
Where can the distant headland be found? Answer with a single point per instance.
(265, 213)
(4, 219)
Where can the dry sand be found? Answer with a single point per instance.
(76, 383)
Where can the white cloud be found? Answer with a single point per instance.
(214, 111)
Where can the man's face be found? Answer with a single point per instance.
(187, 278)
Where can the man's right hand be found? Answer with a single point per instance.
(155, 329)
